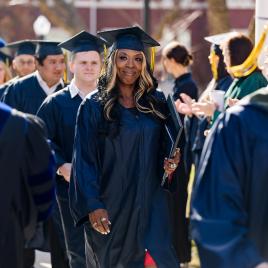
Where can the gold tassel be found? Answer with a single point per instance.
(152, 58)
(65, 74)
(250, 64)
(105, 52)
(213, 64)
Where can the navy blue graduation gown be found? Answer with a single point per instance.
(185, 84)
(26, 182)
(122, 175)
(230, 203)
(195, 127)
(178, 199)
(6, 85)
(59, 112)
(26, 95)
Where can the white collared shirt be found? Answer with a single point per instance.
(48, 90)
(74, 90)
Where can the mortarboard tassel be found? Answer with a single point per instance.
(250, 64)
(152, 58)
(214, 67)
(65, 76)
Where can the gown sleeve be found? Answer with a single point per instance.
(49, 113)
(85, 175)
(10, 96)
(40, 168)
(219, 216)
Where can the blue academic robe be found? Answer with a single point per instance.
(59, 111)
(26, 94)
(178, 199)
(122, 174)
(6, 85)
(229, 215)
(59, 114)
(26, 182)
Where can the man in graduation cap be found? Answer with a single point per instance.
(27, 93)
(117, 166)
(26, 182)
(59, 113)
(23, 62)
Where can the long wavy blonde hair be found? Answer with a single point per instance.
(145, 86)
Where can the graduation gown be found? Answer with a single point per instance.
(121, 174)
(59, 112)
(26, 182)
(178, 199)
(6, 85)
(230, 202)
(196, 126)
(26, 94)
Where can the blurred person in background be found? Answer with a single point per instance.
(197, 120)
(26, 182)
(176, 60)
(23, 62)
(229, 203)
(26, 95)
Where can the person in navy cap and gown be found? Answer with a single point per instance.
(118, 161)
(59, 113)
(23, 62)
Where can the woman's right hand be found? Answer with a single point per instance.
(100, 221)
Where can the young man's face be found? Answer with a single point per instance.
(24, 64)
(86, 66)
(52, 69)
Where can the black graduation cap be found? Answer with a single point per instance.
(5, 57)
(129, 38)
(84, 41)
(23, 47)
(45, 48)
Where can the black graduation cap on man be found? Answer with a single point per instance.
(23, 47)
(45, 48)
(83, 42)
(133, 38)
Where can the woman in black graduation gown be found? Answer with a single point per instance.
(117, 164)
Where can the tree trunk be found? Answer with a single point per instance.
(218, 17)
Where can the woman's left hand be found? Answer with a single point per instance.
(170, 164)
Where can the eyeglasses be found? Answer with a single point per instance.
(28, 62)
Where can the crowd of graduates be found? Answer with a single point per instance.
(82, 160)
